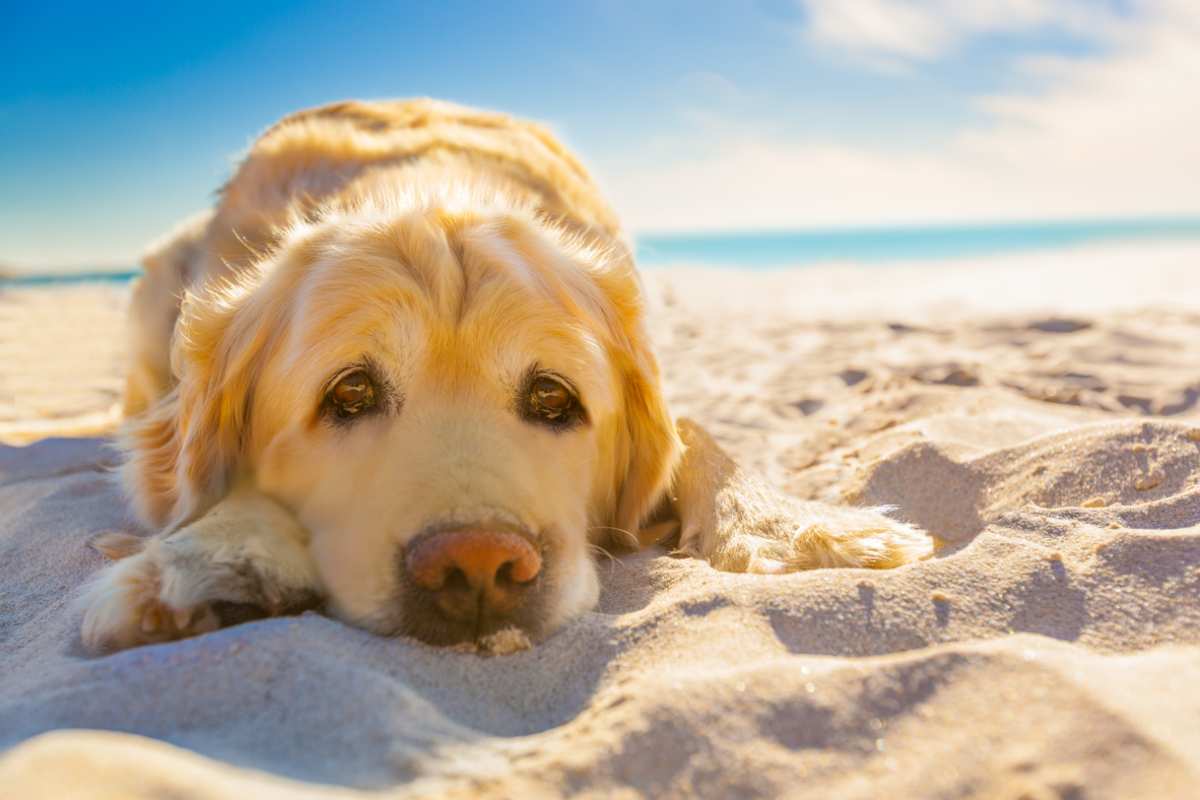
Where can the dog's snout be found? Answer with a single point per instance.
(474, 572)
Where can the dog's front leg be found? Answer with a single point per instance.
(732, 519)
(246, 551)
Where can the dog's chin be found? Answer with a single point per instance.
(416, 615)
(420, 618)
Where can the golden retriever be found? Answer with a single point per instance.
(401, 371)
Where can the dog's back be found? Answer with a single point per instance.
(337, 152)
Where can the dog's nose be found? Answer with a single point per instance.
(473, 572)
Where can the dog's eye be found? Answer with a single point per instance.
(352, 395)
(550, 401)
(551, 396)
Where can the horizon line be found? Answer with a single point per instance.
(1159, 223)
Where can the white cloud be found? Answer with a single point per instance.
(1116, 135)
(890, 33)
(878, 26)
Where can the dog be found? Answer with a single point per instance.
(401, 372)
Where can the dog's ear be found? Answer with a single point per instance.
(182, 451)
(167, 266)
(652, 446)
(648, 446)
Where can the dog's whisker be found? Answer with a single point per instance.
(629, 537)
(600, 551)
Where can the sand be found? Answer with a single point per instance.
(1041, 417)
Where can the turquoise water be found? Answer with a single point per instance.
(775, 249)
(56, 278)
(766, 250)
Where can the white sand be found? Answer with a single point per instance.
(1045, 428)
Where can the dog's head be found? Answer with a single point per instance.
(454, 401)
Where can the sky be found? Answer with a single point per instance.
(116, 119)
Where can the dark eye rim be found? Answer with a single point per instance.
(329, 407)
(572, 417)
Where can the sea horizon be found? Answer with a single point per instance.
(773, 249)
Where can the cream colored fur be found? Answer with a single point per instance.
(246, 549)
(455, 250)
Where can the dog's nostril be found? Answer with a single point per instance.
(456, 580)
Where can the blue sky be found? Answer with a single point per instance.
(117, 119)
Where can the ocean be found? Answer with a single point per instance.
(781, 249)
(799, 248)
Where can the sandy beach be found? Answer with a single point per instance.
(1039, 414)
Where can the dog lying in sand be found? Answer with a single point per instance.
(401, 372)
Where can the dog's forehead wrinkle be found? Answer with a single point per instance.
(402, 244)
(512, 251)
(426, 253)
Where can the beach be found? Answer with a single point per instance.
(1039, 414)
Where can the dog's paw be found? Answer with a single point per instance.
(143, 599)
(738, 523)
(843, 537)
(799, 536)
(242, 563)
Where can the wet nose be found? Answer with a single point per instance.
(473, 571)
